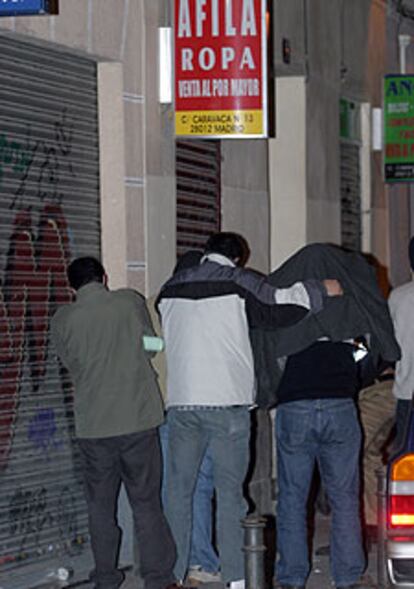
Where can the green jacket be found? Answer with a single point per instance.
(99, 340)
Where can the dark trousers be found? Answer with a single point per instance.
(402, 417)
(134, 459)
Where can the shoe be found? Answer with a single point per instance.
(196, 574)
(240, 584)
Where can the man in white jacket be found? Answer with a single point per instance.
(401, 303)
(205, 314)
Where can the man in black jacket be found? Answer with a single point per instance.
(317, 421)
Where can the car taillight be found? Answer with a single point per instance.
(402, 510)
(403, 468)
(401, 492)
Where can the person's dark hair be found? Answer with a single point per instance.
(187, 260)
(411, 253)
(84, 270)
(231, 245)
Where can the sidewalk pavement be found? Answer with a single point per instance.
(319, 578)
(320, 575)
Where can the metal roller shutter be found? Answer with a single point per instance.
(351, 228)
(49, 214)
(198, 192)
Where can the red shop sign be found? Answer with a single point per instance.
(220, 68)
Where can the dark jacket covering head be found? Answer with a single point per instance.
(361, 311)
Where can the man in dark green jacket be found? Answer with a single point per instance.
(118, 409)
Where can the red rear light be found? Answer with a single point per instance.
(401, 511)
(401, 493)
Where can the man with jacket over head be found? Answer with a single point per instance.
(316, 416)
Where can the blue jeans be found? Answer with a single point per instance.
(226, 433)
(202, 551)
(325, 431)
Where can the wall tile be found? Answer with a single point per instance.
(137, 280)
(133, 57)
(107, 24)
(7, 23)
(71, 25)
(135, 224)
(38, 26)
(134, 125)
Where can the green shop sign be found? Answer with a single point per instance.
(399, 128)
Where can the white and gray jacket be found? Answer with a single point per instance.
(205, 314)
(401, 305)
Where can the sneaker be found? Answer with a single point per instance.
(240, 584)
(198, 575)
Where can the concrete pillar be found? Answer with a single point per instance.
(287, 171)
(112, 171)
(113, 221)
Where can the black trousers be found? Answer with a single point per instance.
(135, 460)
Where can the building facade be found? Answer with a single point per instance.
(89, 164)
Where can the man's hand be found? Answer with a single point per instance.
(333, 287)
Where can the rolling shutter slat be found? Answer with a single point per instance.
(49, 214)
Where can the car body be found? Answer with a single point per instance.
(399, 548)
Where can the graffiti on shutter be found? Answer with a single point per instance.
(49, 214)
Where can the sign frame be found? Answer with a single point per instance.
(264, 107)
(398, 168)
(26, 7)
